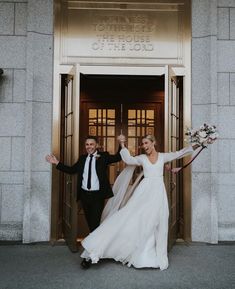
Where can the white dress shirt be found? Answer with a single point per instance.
(95, 186)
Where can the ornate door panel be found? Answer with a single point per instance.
(68, 182)
(140, 120)
(174, 181)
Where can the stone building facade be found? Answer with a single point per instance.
(26, 112)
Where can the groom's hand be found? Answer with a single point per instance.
(52, 159)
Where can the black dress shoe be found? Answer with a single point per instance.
(86, 264)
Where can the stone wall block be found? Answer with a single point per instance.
(226, 121)
(12, 231)
(224, 156)
(200, 19)
(226, 204)
(20, 1)
(13, 51)
(6, 85)
(19, 88)
(226, 3)
(12, 115)
(223, 91)
(201, 70)
(21, 18)
(201, 202)
(226, 59)
(232, 149)
(40, 206)
(41, 139)
(232, 23)
(223, 23)
(202, 162)
(232, 88)
(40, 16)
(213, 72)
(5, 153)
(226, 179)
(227, 232)
(43, 67)
(12, 203)
(18, 154)
(6, 18)
(200, 114)
(11, 177)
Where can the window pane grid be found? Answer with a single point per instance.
(140, 122)
(102, 125)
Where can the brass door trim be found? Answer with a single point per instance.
(109, 68)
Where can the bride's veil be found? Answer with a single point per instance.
(122, 191)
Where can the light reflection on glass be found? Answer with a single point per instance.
(111, 113)
(110, 145)
(111, 131)
(131, 131)
(92, 113)
(102, 124)
(132, 146)
(150, 114)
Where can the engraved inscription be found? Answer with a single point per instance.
(123, 33)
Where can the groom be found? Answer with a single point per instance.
(93, 185)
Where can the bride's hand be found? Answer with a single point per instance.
(121, 138)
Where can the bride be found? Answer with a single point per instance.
(136, 233)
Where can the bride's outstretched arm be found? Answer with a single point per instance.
(168, 157)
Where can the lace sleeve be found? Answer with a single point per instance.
(128, 159)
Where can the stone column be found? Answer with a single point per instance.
(13, 15)
(204, 109)
(39, 83)
(226, 119)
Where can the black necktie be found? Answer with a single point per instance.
(89, 173)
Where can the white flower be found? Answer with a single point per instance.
(202, 134)
(206, 134)
(202, 139)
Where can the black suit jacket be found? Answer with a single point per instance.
(102, 163)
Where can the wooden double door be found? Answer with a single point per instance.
(107, 117)
(108, 120)
(134, 120)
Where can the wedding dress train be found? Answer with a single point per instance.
(135, 234)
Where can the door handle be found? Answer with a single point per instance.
(172, 186)
(68, 182)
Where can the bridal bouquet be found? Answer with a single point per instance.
(203, 136)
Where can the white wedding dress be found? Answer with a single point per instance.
(135, 234)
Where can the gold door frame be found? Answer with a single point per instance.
(113, 68)
(56, 132)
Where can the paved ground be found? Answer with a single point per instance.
(39, 266)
